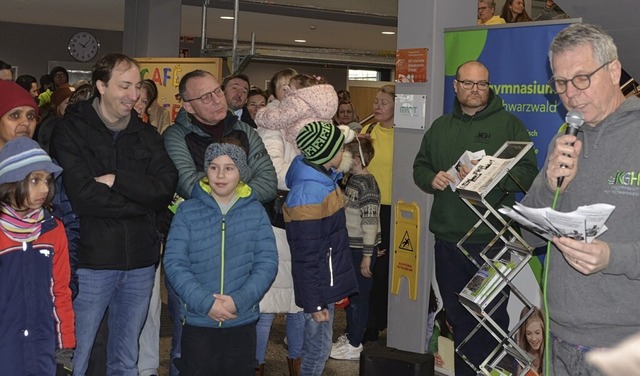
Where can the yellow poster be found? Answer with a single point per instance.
(167, 73)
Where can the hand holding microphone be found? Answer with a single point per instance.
(574, 120)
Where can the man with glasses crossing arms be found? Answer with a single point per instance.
(478, 122)
(204, 119)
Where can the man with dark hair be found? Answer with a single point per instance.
(204, 119)
(118, 176)
(236, 92)
(30, 84)
(60, 76)
(5, 71)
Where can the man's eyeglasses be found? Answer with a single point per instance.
(580, 82)
(468, 85)
(207, 97)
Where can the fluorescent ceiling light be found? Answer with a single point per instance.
(226, 17)
(300, 40)
(389, 32)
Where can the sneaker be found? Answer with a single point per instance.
(347, 352)
(340, 342)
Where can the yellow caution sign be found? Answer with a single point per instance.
(406, 248)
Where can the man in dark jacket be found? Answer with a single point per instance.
(117, 175)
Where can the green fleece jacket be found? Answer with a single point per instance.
(447, 139)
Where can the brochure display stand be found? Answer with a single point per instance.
(504, 257)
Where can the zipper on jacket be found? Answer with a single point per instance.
(223, 228)
(330, 266)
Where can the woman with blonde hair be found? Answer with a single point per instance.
(381, 134)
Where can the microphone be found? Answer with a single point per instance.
(574, 120)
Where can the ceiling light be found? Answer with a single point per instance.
(389, 32)
(300, 40)
(226, 17)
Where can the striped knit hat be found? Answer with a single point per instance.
(20, 157)
(319, 142)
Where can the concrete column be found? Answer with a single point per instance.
(421, 23)
(152, 28)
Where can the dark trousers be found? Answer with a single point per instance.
(358, 309)
(218, 351)
(378, 298)
(453, 271)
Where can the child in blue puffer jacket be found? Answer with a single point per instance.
(220, 258)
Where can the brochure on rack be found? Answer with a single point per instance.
(585, 223)
(464, 160)
(490, 169)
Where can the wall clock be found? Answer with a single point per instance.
(83, 46)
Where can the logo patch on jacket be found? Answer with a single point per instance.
(483, 137)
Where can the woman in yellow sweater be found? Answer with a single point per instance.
(381, 167)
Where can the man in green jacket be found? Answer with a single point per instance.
(478, 122)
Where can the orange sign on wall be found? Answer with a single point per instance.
(411, 65)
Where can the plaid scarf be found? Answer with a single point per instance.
(18, 228)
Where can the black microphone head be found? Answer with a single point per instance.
(574, 120)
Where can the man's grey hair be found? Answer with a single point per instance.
(490, 3)
(580, 34)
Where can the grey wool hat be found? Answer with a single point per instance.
(235, 152)
(319, 142)
(20, 157)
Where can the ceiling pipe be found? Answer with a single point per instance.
(203, 32)
(234, 57)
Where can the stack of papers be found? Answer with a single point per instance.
(585, 223)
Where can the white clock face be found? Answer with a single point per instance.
(83, 46)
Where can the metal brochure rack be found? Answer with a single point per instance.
(504, 257)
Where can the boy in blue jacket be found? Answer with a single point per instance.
(317, 233)
(220, 258)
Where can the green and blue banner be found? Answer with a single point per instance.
(518, 63)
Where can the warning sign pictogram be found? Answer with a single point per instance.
(405, 243)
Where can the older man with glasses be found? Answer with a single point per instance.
(486, 8)
(592, 293)
(478, 122)
(205, 118)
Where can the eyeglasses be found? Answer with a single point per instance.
(468, 85)
(580, 82)
(207, 97)
(482, 9)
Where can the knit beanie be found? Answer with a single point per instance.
(319, 142)
(13, 95)
(20, 157)
(235, 152)
(63, 92)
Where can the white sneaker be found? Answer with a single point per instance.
(347, 352)
(340, 342)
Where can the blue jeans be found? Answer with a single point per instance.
(173, 303)
(453, 272)
(126, 293)
(358, 308)
(295, 334)
(318, 338)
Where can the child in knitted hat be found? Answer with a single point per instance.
(220, 259)
(37, 316)
(317, 233)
